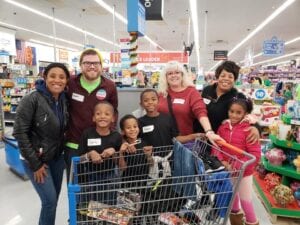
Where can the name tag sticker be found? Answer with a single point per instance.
(77, 97)
(206, 101)
(178, 101)
(148, 128)
(94, 142)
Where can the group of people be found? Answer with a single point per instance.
(67, 117)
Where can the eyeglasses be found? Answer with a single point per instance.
(169, 73)
(89, 64)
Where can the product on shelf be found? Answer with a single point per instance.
(297, 163)
(275, 156)
(272, 180)
(283, 195)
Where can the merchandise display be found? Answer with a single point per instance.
(278, 174)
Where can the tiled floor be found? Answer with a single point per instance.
(19, 204)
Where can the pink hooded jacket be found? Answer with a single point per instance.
(236, 135)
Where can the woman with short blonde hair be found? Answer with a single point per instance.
(186, 102)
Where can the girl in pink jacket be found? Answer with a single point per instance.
(234, 131)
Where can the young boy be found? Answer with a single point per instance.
(158, 129)
(99, 144)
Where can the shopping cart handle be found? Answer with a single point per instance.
(231, 147)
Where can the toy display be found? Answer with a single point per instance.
(282, 195)
(272, 180)
(275, 156)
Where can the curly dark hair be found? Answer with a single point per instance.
(230, 67)
(243, 101)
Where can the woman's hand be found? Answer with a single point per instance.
(95, 157)
(213, 138)
(253, 136)
(40, 174)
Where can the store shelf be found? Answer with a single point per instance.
(285, 144)
(292, 210)
(285, 170)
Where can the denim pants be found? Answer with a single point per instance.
(184, 171)
(49, 190)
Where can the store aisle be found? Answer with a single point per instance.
(19, 204)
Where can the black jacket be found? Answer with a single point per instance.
(37, 127)
(217, 108)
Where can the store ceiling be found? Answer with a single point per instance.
(228, 23)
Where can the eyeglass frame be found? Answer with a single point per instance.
(89, 64)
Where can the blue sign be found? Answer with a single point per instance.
(136, 17)
(273, 47)
(260, 94)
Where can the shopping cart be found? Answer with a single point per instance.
(171, 187)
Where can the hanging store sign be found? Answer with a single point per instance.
(273, 47)
(220, 55)
(7, 41)
(154, 9)
(154, 57)
(136, 17)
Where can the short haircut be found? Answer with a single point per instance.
(90, 51)
(104, 103)
(147, 91)
(57, 65)
(126, 117)
(230, 67)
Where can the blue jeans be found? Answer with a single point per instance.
(184, 171)
(49, 190)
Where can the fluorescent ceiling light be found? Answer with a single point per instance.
(292, 41)
(41, 34)
(59, 21)
(111, 10)
(194, 15)
(124, 20)
(280, 57)
(52, 45)
(259, 27)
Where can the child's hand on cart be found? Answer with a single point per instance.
(107, 153)
(127, 148)
(148, 152)
(95, 157)
(227, 165)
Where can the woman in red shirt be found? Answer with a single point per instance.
(186, 102)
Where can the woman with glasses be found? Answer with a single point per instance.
(179, 97)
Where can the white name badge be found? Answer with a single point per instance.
(77, 97)
(148, 128)
(178, 101)
(206, 101)
(94, 142)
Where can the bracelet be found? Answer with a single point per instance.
(210, 130)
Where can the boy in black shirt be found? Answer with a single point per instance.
(99, 144)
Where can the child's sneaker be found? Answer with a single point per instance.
(213, 164)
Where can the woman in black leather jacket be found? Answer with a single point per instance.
(39, 128)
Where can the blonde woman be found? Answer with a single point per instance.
(186, 102)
